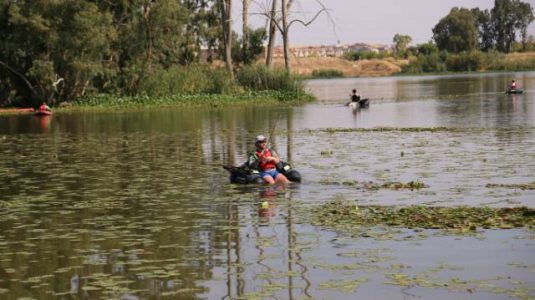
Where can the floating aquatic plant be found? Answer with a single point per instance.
(346, 286)
(404, 129)
(462, 218)
(370, 185)
(527, 186)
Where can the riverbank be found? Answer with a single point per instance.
(305, 66)
(116, 102)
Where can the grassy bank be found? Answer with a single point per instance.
(109, 101)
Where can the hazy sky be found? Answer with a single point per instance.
(370, 21)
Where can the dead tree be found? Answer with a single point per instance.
(283, 24)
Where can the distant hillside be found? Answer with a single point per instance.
(363, 68)
(374, 67)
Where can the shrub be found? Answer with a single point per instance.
(365, 54)
(327, 73)
(414, 66)
(465, 61)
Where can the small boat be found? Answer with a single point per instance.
(514, 91)
(362, 103)
(41, 113)
(244, 175)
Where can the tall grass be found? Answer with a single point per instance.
(201, 85)
(262, 78)
(195, 79)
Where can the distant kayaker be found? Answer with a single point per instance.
(44, 107)
(513, 85)
(265, 160)
(355, 97)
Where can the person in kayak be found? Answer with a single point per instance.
(513, 85)
(265, 160)
(355, 97)
(44, 107)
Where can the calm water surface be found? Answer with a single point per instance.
(136, 205)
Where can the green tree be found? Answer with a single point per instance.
(457, 31)
(484, 28)
(53, 50)
(427, 48)
(152, 35)
(524, 18)
(508, 17)
(254, 46)
(401, 42)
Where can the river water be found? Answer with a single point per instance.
(136, 205)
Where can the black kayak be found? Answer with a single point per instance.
(244, 175)
(362, 103)
(515, 91)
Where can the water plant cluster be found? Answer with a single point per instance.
(184, 100)
(402, 129)
(527, 186)
(461, 218)
(370, 185)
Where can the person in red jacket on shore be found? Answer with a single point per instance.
(265, 160)
(44, 107)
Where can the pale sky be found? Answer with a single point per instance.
(370, 21)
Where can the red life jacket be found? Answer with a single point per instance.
(513, 85)
(265, 165)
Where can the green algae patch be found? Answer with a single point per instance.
(527, 186)
(370, 185)
(402, 129)
(462, 218)
(118, 102)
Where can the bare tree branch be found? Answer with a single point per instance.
(283, 25)
(309, 22)
(19, 75)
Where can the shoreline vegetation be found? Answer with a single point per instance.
(206, 85)
(107, 102)
(463, 63)
(126, 54)
(197, 85)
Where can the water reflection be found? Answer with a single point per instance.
(136, 205)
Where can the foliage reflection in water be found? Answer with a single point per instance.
(136, 205)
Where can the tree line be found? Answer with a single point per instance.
(466, 29)
(60, 50)
(472, 40)
(469, 29)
